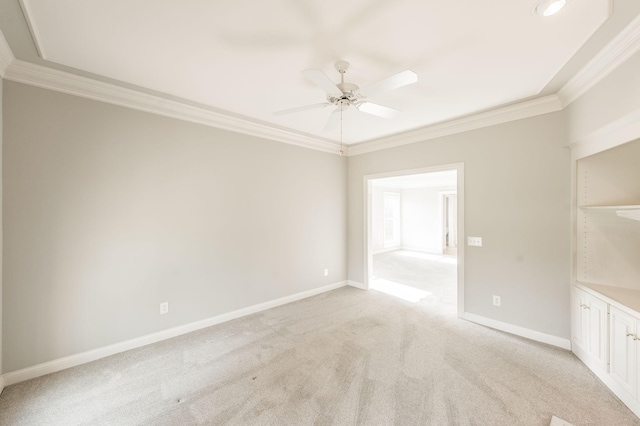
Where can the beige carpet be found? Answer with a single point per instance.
(347, 357)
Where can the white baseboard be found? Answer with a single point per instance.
(82, 358)
(386, 250)
(519, 331)
(356, 284)
(1, 383)
(434, 251)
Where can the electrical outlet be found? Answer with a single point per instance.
(474, 241)
(496, 300)
(326, 272)
(164, 308)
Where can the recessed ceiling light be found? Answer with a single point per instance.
(549, 7)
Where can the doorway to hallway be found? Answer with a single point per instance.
(413, 236)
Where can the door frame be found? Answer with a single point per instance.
(368, 247)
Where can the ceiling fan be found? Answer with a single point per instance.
(343, 95)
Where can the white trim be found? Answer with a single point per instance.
(92, 355)
(1, 383)
(625, 44)
(356, 284)
(65, 82)
(615, 53)
(526, 109)
(618, 132)
(6, 55)
(31, 23)
(519, 331)
(388, 250)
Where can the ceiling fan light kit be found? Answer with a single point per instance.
(344, 95)
(549, 7)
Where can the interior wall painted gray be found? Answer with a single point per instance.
(109, 211)
(517, 198)
(1, 212)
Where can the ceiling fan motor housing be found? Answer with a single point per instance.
(350, 95)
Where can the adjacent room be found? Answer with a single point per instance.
(414, 234)
(297, 212)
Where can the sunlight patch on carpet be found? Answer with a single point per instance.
(401, 291)
(556, 421)
(427, 256)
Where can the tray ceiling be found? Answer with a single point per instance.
(246, 57)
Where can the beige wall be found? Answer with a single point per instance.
(422, 219)
(109, 211)
(1, 220)
(517, 197)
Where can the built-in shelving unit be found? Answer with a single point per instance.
(605, 296)
(624, 211)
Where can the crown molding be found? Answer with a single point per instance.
(615, 53)
(517, 111)
(6, 55)
(623, 130)
(65, 82)
(608, 59)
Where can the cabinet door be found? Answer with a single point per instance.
(623, 350)
(596, 311)
(579, 319)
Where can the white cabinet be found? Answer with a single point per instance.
(624, 348)
(589, 330)
(605, 335)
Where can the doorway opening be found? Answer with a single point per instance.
(414, 223)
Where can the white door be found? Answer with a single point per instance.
(623, 350)
(597, 340)
(579, 319)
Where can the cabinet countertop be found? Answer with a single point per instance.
(625, 297)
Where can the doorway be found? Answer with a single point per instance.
(414, 223)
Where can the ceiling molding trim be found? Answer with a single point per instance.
(514, 112)
(6, 55)
(623, 130)
(33, 29)
(621, 48)
(64, 82)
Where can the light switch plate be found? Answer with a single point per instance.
(474, 241)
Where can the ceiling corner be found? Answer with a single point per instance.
(33, 29)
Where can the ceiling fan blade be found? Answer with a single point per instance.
(333, 120)
(396, 81)
(302, 108)
(379, 110)
(321, 80)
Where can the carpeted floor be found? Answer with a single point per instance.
(347, 357)
(435, 275)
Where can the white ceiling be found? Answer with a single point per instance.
(245, 56)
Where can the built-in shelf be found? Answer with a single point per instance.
(628, 211)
